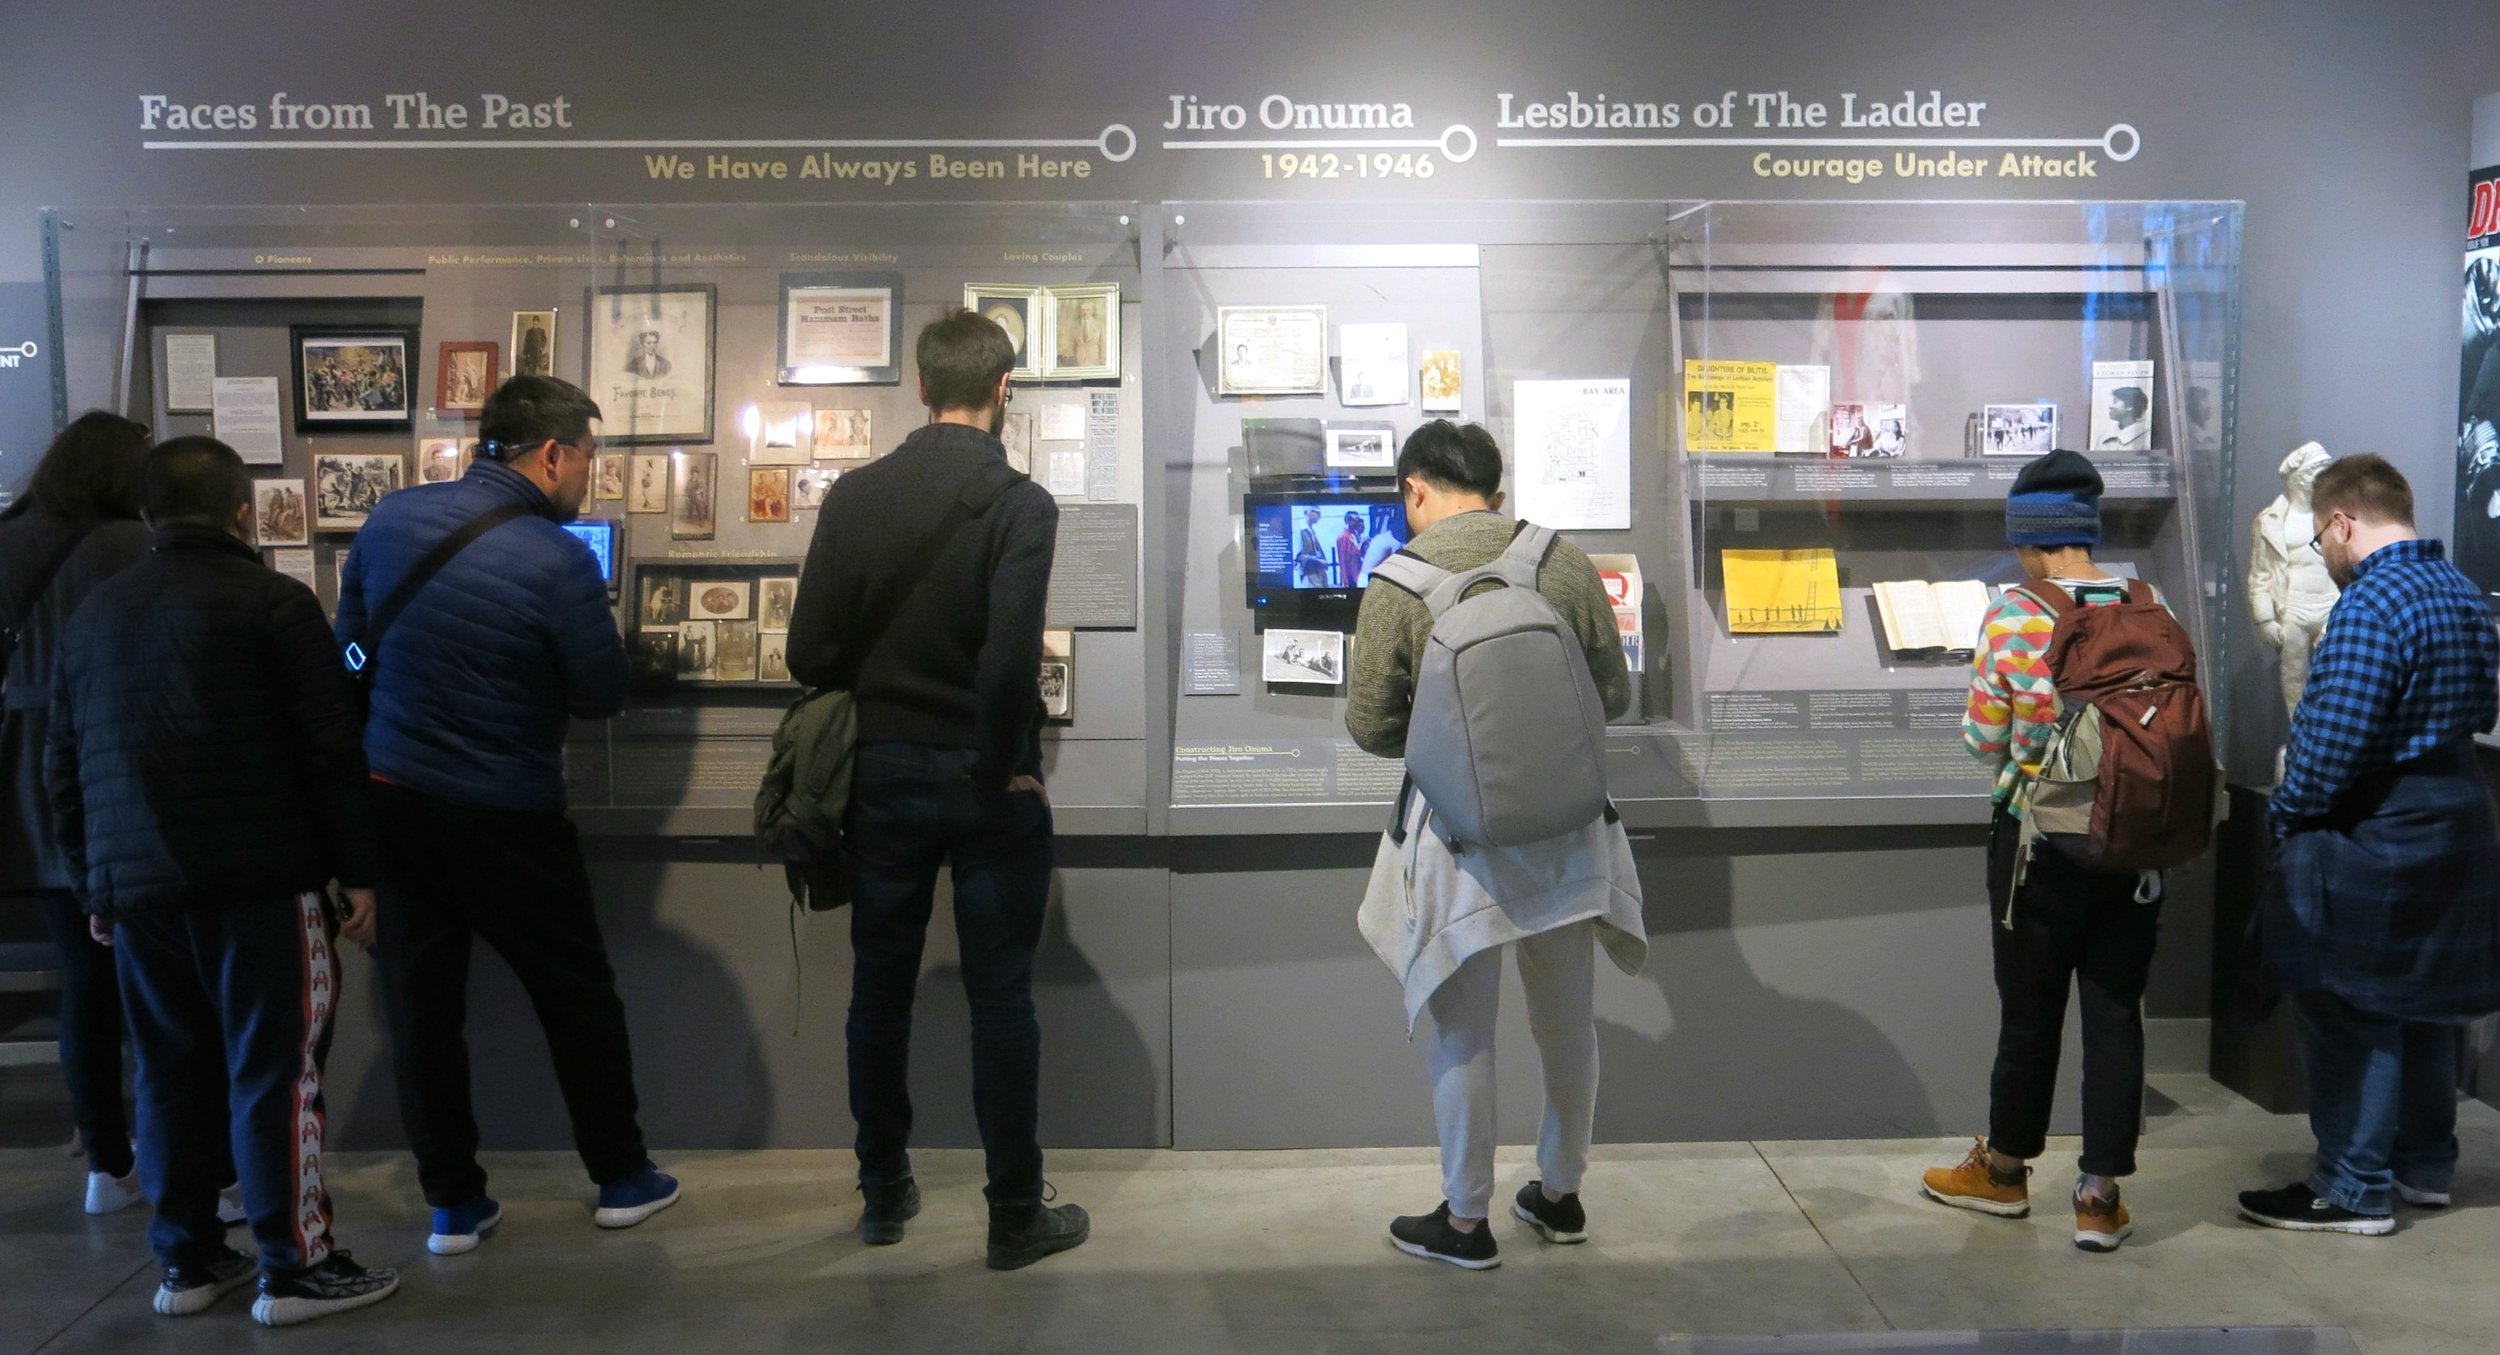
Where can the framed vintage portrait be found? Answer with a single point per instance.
(464, 375)
(768, 494)
(773, 664)
(696, 650)
(1271, 350)
(650, 362)
(438, 461)
(775, 599)
(659, 600)
(278, 514)
(809, 487)
(1015, 433)
(693, 495)
(533, 343)
(734, 659)
(841, 329)
(779, 433)
(607, 476)
(346, 487)
(1059, 675)
(1083, 323)
(719, 599)
(646, 483)
(353, 379)
(1017, 310)
(655, 657)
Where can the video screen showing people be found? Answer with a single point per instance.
(1323, 542)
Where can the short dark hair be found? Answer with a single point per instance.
(1446, 455)
(962, 355)
(195, 480)
(528, 410)
(2365, 488)
(2133, 398)
(90, 473)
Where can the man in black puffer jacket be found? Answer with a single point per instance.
(208, 780)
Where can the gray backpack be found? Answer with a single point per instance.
(1507, 741)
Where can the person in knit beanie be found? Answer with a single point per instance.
(2063, 927)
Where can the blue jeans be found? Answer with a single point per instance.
(2382, 1102)
(915, 808)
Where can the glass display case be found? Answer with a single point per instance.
(744, 358)
(1751, 415)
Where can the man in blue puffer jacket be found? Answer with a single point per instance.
(473, 685)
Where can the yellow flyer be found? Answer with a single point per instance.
(1728, 406)
(1782, 592)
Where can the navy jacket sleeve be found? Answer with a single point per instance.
(329, 735)
(589, 651)
(350, 623)
(1007, 687)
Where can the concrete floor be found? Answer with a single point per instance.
(1209, 1252)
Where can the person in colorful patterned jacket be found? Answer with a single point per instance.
(2061, 926)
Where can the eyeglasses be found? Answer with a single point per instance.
(2322, 531)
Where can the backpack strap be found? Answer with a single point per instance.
(1411, 572)
(2048, 594)
(378, 622)
(1531, 544)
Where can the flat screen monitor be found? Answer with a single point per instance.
(1313, 548)
(600, 535)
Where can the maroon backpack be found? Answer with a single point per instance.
(2128, 781)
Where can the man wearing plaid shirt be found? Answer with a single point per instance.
(2384, 921)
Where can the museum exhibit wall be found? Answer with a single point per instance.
(1202, 983)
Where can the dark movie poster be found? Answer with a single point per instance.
(2477, 542)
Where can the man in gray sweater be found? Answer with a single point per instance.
(1441, 922)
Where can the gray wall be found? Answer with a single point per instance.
(2342, 125)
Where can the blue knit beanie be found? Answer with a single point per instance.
(2056, 502)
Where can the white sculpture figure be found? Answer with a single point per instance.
(2289, 590)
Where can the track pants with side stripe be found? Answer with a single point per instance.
(229, 1011)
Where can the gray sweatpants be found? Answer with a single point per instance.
(1558, 969)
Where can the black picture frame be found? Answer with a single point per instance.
(603, 314)
(309, 422)
(890, 374)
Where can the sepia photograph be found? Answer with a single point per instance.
(607, 475)
(809, 487)
(1014, 309)
(843, 435)
(533, 343)
(1271, 350)
(774, 663)
(1015, 433)
(438, 461)
(695, 650)
(464, 375)
(1305, 656)
(768, 494)
(353, 380)
(650, 365)
(345, 488)
(735, 659)
(660, 600)
(1084, 332)
(1441, 381)
(1059, 674)
(693, 495)
(647, 483)
(655, 656)
(776, 599)
(278, 517)
(2019, 430)
(718, 599)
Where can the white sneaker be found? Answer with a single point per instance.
(230, 1210)
(107, 1194)
(2423, 1199)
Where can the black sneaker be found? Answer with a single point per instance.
(888, 1206)
(1430, 1236)
(1560, 1220)
(1021, 1234)
(2296, 1208)
(195, 1289)
(337, 1285)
